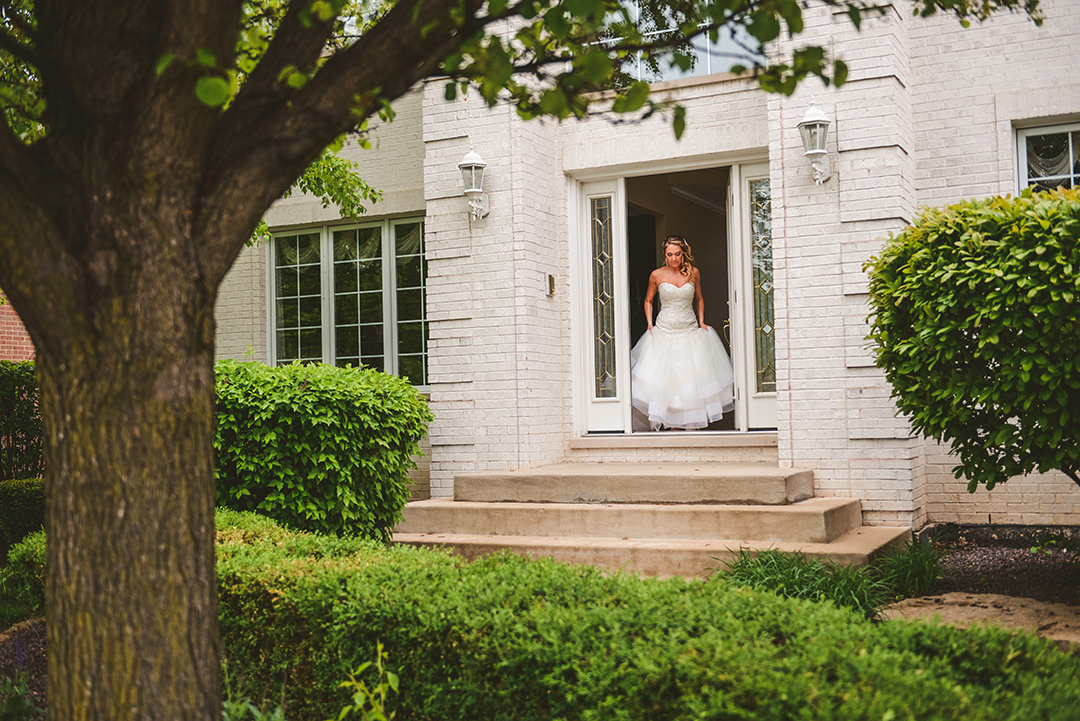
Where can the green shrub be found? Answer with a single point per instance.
(20, 422)
(22, 580)
(975, 314)
(506, 638)
(22, 510)
(317, 447)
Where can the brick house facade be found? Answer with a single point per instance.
(15, 344)
(932, 113)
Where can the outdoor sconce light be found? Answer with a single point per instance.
(472, 172)
(814, 129)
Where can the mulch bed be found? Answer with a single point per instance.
(22, 648)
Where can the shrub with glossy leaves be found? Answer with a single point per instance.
(975, 314)
(317, 447)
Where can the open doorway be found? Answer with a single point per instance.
(694, 205)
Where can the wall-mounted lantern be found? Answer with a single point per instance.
(814, 129)
(472, 172)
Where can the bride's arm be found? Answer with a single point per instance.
(699, 301)
(648, 299)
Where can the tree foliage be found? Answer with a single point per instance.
(976, 321)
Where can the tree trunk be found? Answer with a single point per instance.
(127, 393)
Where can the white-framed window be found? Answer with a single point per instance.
(1049, 156)
(657, 21)
(352, 295)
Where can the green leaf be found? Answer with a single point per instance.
(854, 14)
(205, 57)
(212, 91)
(632, 99)
(679, 123)
(163, 63)
(840, 72)
(596, 65)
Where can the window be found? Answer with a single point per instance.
(353, 295)
(659, 20)
(1049, 156)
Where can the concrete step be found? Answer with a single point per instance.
(661, 558)
(816, 520)
(725, 483)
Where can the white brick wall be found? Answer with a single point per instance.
(927, 118)
(240, 312)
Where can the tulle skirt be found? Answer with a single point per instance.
(682, 378)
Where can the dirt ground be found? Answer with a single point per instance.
(1048, 620)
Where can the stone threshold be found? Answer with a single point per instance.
(676, 439)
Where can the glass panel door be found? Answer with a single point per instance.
(601, 297)
(762, 278)
(756, 367)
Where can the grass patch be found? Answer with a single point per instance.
(911, 570)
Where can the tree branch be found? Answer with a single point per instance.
(295, 44)
(266, 142)
(20, 50)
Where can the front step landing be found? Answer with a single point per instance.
(817, 520)
(733, 483)
(661, 558)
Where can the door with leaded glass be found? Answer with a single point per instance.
(753, 256)
(603, 319)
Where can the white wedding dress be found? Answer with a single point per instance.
(681, 374)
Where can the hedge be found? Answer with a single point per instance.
(317, 447)
(22, 510)
(20, 422)
(506, 638)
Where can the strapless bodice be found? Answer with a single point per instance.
(676, 307)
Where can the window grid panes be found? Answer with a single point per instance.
(298, 291)
(369, 310)
(411, 282)
(658, 23)
(1050, 157)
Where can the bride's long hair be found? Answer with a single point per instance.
(687, 267)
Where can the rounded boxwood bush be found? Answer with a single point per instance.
(975, 314)
(317, 447)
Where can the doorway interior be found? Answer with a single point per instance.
(692, 204)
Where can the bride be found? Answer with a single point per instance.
(681, 374)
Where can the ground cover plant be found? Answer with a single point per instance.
(900, 573)
(509, 638)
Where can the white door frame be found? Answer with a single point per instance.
(614, 415)
(754, 409)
